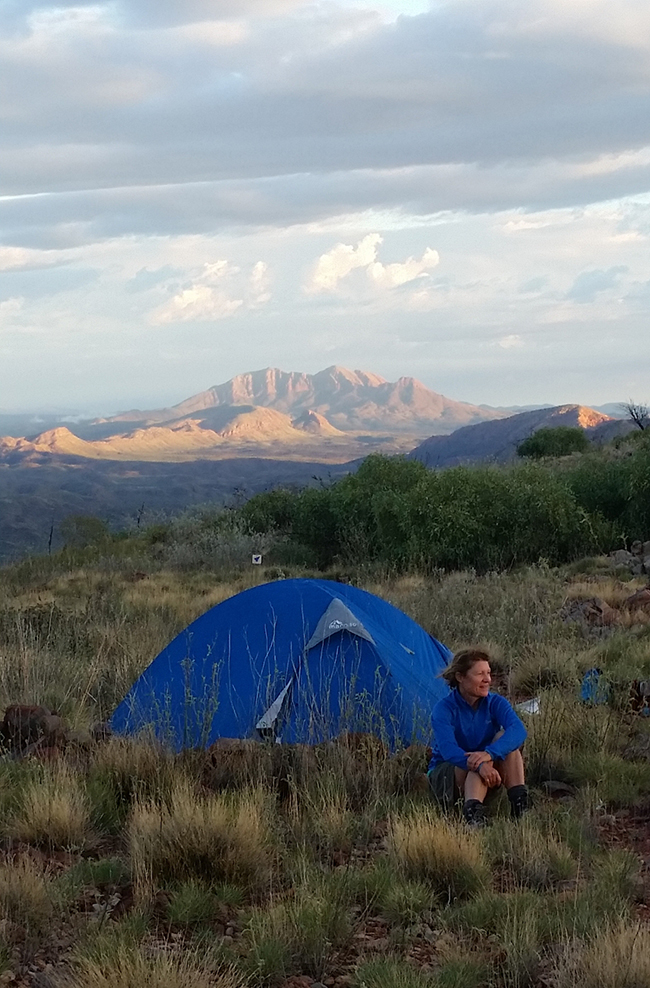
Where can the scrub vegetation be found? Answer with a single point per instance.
(283, 866)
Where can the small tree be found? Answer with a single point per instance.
(554, 442)
(637, 413)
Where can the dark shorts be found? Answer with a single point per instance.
(442, 779)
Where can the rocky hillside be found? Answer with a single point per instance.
(498, 441)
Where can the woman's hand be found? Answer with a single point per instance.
(476, 758)
(489, 774)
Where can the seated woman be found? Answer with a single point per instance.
(477, 743)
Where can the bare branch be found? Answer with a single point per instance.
(637, 413)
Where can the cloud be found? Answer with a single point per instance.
(200, 303)
(209, 297)
(127, 98)
(338, 262)
(23, 259)
(513, 341)
(589, 284)
(392, 275)
(259, 286)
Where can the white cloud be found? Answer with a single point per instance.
(335, 265)
(338, 262)
(511, 342)
(23, 258)
(259, 286)
(212, 273)
(213, 294)
(200, 303)
(392, 275)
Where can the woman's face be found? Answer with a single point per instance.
(476, 681)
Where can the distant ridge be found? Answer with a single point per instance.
(351, 401)
(498, 441)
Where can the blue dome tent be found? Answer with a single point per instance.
(294, 660)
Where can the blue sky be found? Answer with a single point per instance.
(454, 191)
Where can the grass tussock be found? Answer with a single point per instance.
(123, 770)
(297, 935)
(391, 972)
(159, 968)
(439, 850)
(25, 895)
(192, 835)
(618, 957)
(532, 856)
(54, 811)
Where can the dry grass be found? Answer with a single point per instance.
(614, 592)
(157, 968)
(54, 811)
(297, 935)
(533, 857)
(618, 957)
(440, 850)
(135, 766)
(79, 638)
(25, 899)
(190, 836)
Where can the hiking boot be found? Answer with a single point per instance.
(474, 813)
(519, 801)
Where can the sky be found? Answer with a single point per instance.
(455, 191)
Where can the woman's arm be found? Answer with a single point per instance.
(445, 735)
(514, 732)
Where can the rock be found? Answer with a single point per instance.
(639, 600)
(645, 557)
(593, 612)
(621, 557)
(25, 725)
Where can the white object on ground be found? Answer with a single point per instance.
(529, 706)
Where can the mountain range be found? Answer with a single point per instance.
(335, 415)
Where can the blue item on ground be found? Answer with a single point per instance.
(460, 728)
(295, 660)
(595, 688)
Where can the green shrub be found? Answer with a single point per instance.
(559, 441)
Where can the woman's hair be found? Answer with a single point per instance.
(462, 662)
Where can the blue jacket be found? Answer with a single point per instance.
(459, 728)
